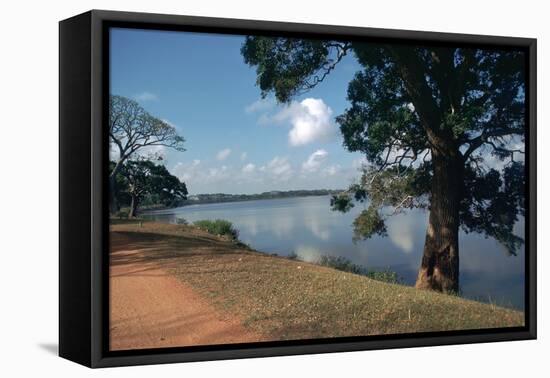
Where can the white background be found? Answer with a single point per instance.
(29, 186)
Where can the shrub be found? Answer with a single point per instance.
(341, 263)
(182, 221)
(345, 265)
(218, 227)
(384, 276)
(292, 256)
(122, 214)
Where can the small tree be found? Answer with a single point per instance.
(144, 178)
(428, 119)
(131, 129)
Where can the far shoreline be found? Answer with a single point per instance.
(237, 198)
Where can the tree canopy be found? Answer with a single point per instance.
(141, 181)
(132, 128)
(407, 105)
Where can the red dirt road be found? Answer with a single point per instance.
(149, 308)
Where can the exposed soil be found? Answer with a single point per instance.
(177, 285)
(150, 308)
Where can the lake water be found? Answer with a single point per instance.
(307, 227)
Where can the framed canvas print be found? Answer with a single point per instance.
(233, 188)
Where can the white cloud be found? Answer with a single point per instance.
(314, 161)
(195, 172)
(278, 168)
(187, 171)
(249, 168)
(218, 173)
(146, 96)
(311, 121)
(223, 154)
(244, 155)
(332, 170)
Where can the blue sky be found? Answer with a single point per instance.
(236, 142)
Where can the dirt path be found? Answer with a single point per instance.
(149, 308)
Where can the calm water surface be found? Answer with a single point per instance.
(308, 227)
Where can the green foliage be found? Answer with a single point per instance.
(405, 103)
(118, 190)
(492, 202)
(341, 263)
(132, 128)
(341, 202)
(122, 214)
(345, 265)
(384, 276)
(368, 223)
(218, 227)
(146, 182)
(284, 65)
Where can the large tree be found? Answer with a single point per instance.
(144, 178)
(441, 128)
(132, 128)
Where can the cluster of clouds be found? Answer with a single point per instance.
(308, 123)
(278, 172)
(310, 120)
(316, 163)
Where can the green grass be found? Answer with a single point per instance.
(290, 299)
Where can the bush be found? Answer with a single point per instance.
(292, 256)
(345, 265)
(384, 276)
(182, 221)
(122, 214)
(218, 227)
(341, 263)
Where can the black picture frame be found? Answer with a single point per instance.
(83, 158)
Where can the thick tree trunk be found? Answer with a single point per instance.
(439, 268)
(133, 207)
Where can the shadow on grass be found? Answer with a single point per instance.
(141, 252)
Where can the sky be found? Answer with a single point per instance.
(236, 142)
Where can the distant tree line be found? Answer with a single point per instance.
(223, 197)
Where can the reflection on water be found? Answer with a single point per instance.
(309, 228)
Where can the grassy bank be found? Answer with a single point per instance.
(289, 299)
